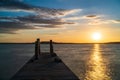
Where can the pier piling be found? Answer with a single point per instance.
(37, 48)
(52, 49)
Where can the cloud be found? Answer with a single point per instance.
(97, 19)
(42, 20)
(74, 18)
(14, 4)
(83, 17)
(72, 12)
(12, 27)
(103, 21)
(28, 22)
(44, 17)
(91, 19)
(17, 5)
(115, 21)
(92, 16)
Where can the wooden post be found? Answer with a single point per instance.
(51, 49)
(37, 48)
(39, 51)
(36, 51)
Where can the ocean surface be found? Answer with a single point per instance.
(87, 61)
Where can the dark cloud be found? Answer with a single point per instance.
(12, 27)
(19, 5)
(41, 20)
(14, 4)
(28, 22)
(91, 16)
(45, 17)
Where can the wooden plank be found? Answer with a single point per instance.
(45, 68)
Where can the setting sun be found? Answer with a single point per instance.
(96, 36)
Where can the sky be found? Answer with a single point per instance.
(60, 20)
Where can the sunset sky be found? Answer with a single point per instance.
(60, 20)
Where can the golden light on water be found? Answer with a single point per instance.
(97, 69)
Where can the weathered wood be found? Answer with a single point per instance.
(39, 51)
(51, 47)
(44, 69)
(37, 48)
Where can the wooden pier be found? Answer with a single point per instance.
(44, 66)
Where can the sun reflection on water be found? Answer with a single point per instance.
(97, 69)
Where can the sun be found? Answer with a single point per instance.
(96, 36)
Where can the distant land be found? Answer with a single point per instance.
(47, 42)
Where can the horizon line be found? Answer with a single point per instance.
(45, 42)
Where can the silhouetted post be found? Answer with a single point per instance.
(36, 51)
(39, 51)
(37, 48)
(51, 49)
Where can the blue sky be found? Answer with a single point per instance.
(57, 17)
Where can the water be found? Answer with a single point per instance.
(87, 61)
(13, 57)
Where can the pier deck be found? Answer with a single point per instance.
(45, 68)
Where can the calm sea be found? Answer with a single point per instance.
(87, 61)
